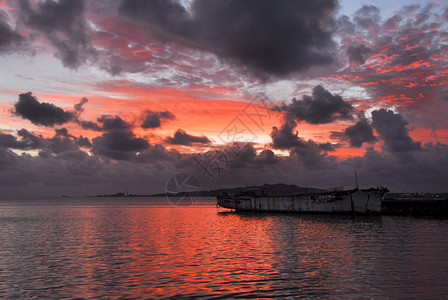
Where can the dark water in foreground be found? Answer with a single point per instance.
(142, 248)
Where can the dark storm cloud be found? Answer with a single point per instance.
(367, 16)
(76, 171)
(355, 34)
(63, 24)
(79, 108)
(34, 141)
(247, 158)
(285, 137)
(89, 125)
(118, 141)
(8, 141)
(359, 133)
(28, 141)
(269, 37)
(83, 142)
(320, 108)
(393, 23)
(46, 114)
(267, 157)
(358, 53)
(119, 145)
(229, 164)
(61, 142)
(9, 39)
(160, 15)
(62, 132)
(157, 154)
(152, 118)
(182, 138)
(310, 155)
(114, 123)
(166, 115)
(8, 160)
(328, 147)
(392, 130)
(346, 26)
(266, 167)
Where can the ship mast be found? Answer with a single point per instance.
(356, 180)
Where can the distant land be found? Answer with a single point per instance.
(271, 189)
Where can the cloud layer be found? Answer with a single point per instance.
(46, 114)
(273, 38)
(152, 119)
(63, 24)
(164, 78)
(182, 138)
(320, 108)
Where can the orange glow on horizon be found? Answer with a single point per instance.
(347, 152)
(198, 111)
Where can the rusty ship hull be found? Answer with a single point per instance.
(359, 201)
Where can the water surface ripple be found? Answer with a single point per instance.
(146, 248)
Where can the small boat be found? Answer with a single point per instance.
(357, 201)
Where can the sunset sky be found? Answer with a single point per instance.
(98, 97)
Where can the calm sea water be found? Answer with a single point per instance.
(147, 248)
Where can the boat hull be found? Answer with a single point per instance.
(352, 201)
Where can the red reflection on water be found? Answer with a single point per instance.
(126, 251)
(187, 250)
(191, 250)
